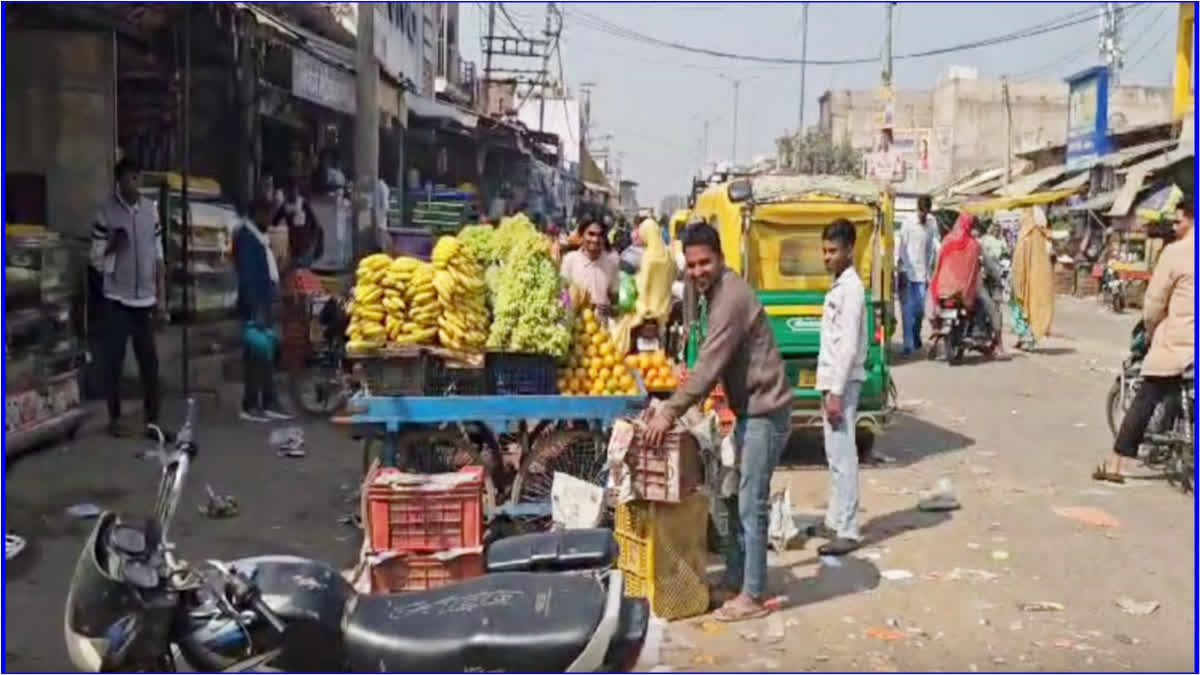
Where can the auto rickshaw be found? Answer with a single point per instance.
(770, 228)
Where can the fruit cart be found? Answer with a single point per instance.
(521, 440)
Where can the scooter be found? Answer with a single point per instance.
(1169, 443)
(955, 330)
(546, 604)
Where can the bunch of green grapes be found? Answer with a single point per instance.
(480, 240)
(529, 314)
(517, 234)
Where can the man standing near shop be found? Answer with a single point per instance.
(840, 374)
(127, 251)
(739, 350)
(916, 248)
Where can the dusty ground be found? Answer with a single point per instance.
(1016, 438)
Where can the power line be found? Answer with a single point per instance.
(511, 22)
(615, 30)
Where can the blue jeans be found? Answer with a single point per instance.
(841, 453)
(759, 442)
(913, 307)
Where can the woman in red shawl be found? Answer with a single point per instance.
(958, 265)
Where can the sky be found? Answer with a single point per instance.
(654, 100)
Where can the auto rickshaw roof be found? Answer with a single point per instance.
(775, 188)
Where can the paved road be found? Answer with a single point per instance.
(1016, 438)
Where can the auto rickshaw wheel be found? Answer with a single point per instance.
(864, 441)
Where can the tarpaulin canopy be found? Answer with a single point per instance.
(1007, 203)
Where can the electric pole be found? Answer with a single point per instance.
(487, 60)
(1007, 131)
(366, 125)
(887, 44)
(737, 84)
(803, 64)
(551, 35)
(1112, 18)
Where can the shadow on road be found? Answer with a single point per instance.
(882, 528)
(1053, 351)
(852, 575)
(907, 440)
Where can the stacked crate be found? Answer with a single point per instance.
(423, 531)
(662, 532)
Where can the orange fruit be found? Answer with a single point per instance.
(672, 382)
(658, 359)
(643, 362)
(628, 382)
(604, 373)
(618, 370)
(631, 361)
(590, 327)
(587, 315)
(598, 387)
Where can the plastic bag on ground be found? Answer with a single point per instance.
(781, 529)
(575, 504)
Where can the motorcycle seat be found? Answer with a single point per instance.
(561, 551)
(513, 622)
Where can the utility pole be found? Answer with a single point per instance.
(545, 74)
(737, 84)
(887, 44)
(487, 60)
(366, 125)
(803, 64)
(1112, 18)
(1008, 150)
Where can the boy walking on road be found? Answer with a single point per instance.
(739, 349)
(840, 374)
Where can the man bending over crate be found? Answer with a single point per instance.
(739, 349)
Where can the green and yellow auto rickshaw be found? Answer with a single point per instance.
(770, 228)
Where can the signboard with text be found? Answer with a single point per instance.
(1087, 118)
(322, 83)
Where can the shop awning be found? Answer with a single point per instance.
(1009, 203)
(1073, 183)
(1096, 202)
(596, 187)
(1134, 152)
(430, 108)
(1136, 175)
(1027, 184)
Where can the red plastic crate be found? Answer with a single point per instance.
(412, 572)
(424, 513)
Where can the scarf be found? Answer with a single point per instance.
(958, 264)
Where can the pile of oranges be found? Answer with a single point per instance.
(594, 368)
(656, 370)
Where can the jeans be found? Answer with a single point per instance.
(124, 324)
(841, 454)
(913, 307)
(759, 442)
(1152, 391)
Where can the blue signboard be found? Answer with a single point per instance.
(1087, 117)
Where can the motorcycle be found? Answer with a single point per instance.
(1169, 441)
(955, 330)
(1112, 288)
(545, 604)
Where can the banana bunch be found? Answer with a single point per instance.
(462, 295)
(420, 326)
(368, 314)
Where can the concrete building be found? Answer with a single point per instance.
(959, 125)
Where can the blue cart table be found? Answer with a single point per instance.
(528, 419)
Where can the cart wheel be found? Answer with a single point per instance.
(438, 451)
(582, 454)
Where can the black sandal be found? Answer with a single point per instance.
(1103, 474)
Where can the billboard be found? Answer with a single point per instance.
(1087, 117)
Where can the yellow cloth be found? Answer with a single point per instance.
(1032, 274)
(653, 281)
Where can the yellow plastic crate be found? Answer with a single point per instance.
(664, 554)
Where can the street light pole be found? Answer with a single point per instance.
(803, 64)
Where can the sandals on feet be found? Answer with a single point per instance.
(1104, 475)
(734, 611)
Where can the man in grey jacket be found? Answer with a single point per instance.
(127, 251)
(739, 349)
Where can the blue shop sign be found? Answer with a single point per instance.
(1087, 117)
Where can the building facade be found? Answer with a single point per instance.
(958, 126)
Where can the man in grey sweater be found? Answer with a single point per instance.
(740, 351)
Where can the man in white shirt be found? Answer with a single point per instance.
(916, 250)
(840, 374)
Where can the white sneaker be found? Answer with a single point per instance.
(253, 416)
(276, 414)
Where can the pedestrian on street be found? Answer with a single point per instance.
(258, 284)
(127, 251)
(739, 350)
(1032, 301)
(917, 250)
(1169, 317)
(594, 268)
(840, 374)
(306, 239)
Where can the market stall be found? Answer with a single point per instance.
(42, 355)
(489, 398)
